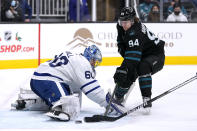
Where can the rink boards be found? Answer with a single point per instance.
(28, 45)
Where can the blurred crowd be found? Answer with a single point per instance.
(107, 11)
(173, 10)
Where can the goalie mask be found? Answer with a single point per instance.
(93, 55)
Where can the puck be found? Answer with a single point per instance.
(78, 121)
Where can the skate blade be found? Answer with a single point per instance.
(147, 111)
(60, 117)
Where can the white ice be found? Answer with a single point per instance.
(176, 111)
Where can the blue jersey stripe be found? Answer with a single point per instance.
(88, 84)
(145, 79)
(146, 86)
(132, 58)
(119, 41)
(133, 52)
(47, 74)
(92, 90)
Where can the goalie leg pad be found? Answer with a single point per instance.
(28, 100)
(69, 105)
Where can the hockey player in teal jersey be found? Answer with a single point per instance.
(143, 55)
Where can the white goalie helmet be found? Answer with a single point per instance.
(93, 55)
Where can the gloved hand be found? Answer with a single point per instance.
(121, 77)
(115, 108)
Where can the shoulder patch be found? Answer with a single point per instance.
(132, 33)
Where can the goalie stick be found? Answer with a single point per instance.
(110, 101)
(124, 101)
(98, 118)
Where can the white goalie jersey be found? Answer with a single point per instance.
(74, 70)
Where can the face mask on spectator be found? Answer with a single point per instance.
(177, 12)
(155, 12)
(14, 4)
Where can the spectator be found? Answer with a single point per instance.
(170, 8)
(177, 15)
(145, 9)
(154, 15)
(15, 11)
(84, 12)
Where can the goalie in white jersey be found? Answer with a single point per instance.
(59, 83)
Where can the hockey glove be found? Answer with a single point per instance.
(121, 77)
(115, 107)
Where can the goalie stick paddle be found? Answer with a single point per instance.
(99, 118)
(110, 101)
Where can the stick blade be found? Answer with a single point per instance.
(99, 118)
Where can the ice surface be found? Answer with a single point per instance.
(175, 111)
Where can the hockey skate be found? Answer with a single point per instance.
(28, 100)
(18, 105)
(147, 105)
(30, 104)
(58, 115)
(65, 109)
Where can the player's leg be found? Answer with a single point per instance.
(28, 100)
(49, 91)
(64, 105)
(122, 92)
(147, 67)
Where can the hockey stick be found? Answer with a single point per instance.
(128, 93)
(108, 106)
(98, 118)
